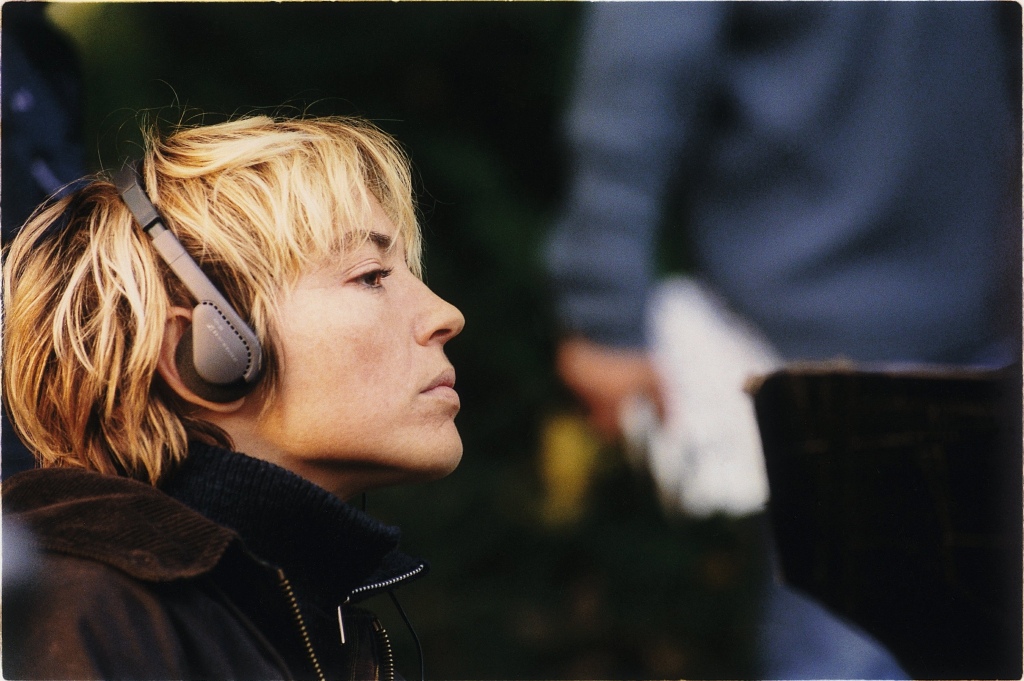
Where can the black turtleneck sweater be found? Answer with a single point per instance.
(332, 553)
(328, 548)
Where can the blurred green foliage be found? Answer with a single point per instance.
(474, 92)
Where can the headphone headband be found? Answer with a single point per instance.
(129, 185)
(220, 359)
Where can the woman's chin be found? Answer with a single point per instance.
(439, 464)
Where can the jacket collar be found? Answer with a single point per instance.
(118, 521)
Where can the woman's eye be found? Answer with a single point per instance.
(375, 278)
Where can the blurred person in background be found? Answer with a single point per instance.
(191, 510)
(845, 175)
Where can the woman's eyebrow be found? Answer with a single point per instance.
(383, 241)
(380, 240)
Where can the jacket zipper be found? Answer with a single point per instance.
(388, 661)
(386, 584)
(287, 586)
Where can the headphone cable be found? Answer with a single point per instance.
(405, 618)
(415, 638)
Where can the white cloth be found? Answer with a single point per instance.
(706, 457)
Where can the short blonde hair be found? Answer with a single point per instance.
(255, 201)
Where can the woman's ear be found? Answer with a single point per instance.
(178, 323)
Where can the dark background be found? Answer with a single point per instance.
(534, 575)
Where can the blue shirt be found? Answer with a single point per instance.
(847, 171)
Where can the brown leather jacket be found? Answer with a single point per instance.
(131, 584)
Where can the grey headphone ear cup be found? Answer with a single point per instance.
(184, 360)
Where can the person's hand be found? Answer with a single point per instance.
(604, 377)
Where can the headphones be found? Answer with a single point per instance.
(219, 357)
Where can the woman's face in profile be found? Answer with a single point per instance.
(367, 395)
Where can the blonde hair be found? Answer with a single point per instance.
(255, 201)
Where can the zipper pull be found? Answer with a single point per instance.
(341, 626)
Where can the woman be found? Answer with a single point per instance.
(200, 428)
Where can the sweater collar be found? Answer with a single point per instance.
(328, 548)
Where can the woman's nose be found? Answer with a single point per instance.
(443, 322)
